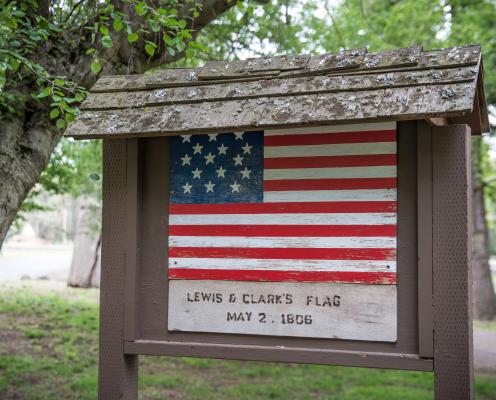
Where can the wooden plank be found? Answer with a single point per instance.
(275, 88)
(117, 372)
(249, 114)
(424, 221)
(168, 77)
(349, 62)
(323, 356)
(452, 56)
(253, 66)
(408, 56)
(345, 59)
(319, 310)
(438, 121)
(133, 209)
(452, 272)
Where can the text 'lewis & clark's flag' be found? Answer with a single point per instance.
(306, 205)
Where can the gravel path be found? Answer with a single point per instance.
(485, 350)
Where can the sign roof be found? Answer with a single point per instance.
(288, 91)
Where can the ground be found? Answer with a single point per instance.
(48, 350)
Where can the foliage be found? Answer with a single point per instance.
(53, 346)
(25, 31)
(75, 168)
(20, 35)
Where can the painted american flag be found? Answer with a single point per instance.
(305, 204)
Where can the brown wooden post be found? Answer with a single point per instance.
(452, 280)
(118, 373)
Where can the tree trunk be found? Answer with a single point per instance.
(484, 296)
(27, 141)
(25, 148)
(85, 264)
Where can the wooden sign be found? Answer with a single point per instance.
(285, 232)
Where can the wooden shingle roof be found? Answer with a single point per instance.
(284, 91)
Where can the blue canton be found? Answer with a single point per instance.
(217, 168)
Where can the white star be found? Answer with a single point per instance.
(186, 138)
(209, 158)
(197, 148)
(239, 135)
(220, 172)
(246, 173)
(186, 159)
(235, 187)
(210, 186)
(238, 160)
(222, 149)
(187, 188)
(212, 137)
(246, 148)
(196, 173)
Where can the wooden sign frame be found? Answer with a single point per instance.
(434, 277)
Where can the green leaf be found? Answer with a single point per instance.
(132, 37)
(190, 52)
(118, 25)
(14, 64)
(141, 8)
(59, 82)
(54, 113)
(69, 117)
(94, 176)
(155, 26)
(90, 51)
(186, 34)
(44, 92)
(104, 30)
(198, 46)
(168, 40)
(96, 67)
(181, 23)
(150, 49)
(79, 97)
(60, 123)
(180, 45)
(107, 42)
(171, 51)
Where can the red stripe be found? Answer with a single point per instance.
(331, 138)
(278, 208)
(330, 184)
(284, 276)
(284, 230)
(330, 161)
(283, 253)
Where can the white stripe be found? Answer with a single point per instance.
(330, 195)
(330, 149)
(315, 173)
(375, 126)
(283, 242)
(284, 219)
(283, 265)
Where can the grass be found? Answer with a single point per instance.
(48, 350)
(485, 325)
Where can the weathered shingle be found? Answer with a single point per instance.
(349, 86)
